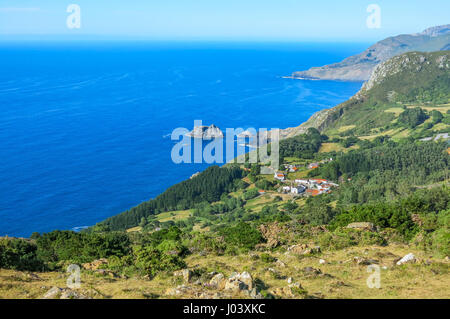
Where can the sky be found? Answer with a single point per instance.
(248, 20)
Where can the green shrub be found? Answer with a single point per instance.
(207, 243)
(412, 117)
(242, 235)
(342, 238)
(266, 258)
(152, 261)
(441, 242)
(172, 246)
(81, 247)
(251, 193)
(19, 254)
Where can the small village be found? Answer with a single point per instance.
(302, 186)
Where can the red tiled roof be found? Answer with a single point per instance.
(313, 192)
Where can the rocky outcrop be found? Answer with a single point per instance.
(303, 249)
(64, 293)
(186, 274)
(96, 264)
(219, 286)
(293, 290)
(409, 258)
(408, 68)
(362, 226)
(413, 62)
(359, 67)
(205, 132)
(364, 261)
(271, 234)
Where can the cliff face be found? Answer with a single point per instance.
(398, 75)
(360, 66)
(205, 132)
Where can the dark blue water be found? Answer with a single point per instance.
(83, 127)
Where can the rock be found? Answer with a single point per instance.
(235, 286)
(96, 264)
(105, 272)
(53, 293)
(71, 294)
(283, 292)
(180, 290)
(409, 258)
(280, 263)
(238, 282)
(362, 226)
(322, 261)
(255, 294)
(311, 250)
(290, 280)
(297, 249)
(63, 293)
(290, 291)
(271, 233)
(218, 281)
(186, 274)
(205, 132)
(247, 279)
(33, 276)
(311, 271)
(303, 249)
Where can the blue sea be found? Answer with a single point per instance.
(84, 127)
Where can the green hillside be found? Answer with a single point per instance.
(412, 80)
(376, 189)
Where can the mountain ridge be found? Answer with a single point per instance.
(418, 61)
(359, 67)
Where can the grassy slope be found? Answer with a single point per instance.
(348, 280)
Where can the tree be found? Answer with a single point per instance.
(412, 117)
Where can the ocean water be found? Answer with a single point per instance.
(84, 127)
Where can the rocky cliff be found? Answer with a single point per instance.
(205, 132)
(360, 66)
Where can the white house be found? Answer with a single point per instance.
(297, 190)
(302, 181)
(286, 189)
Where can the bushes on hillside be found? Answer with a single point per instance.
(342, 238)
(19, 254)
(412, 117)
(242, 235)
(151, 260)
(80, 247)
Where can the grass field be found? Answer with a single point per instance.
(174, 215)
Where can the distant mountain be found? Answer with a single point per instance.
(409, 78)
(360, 66)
